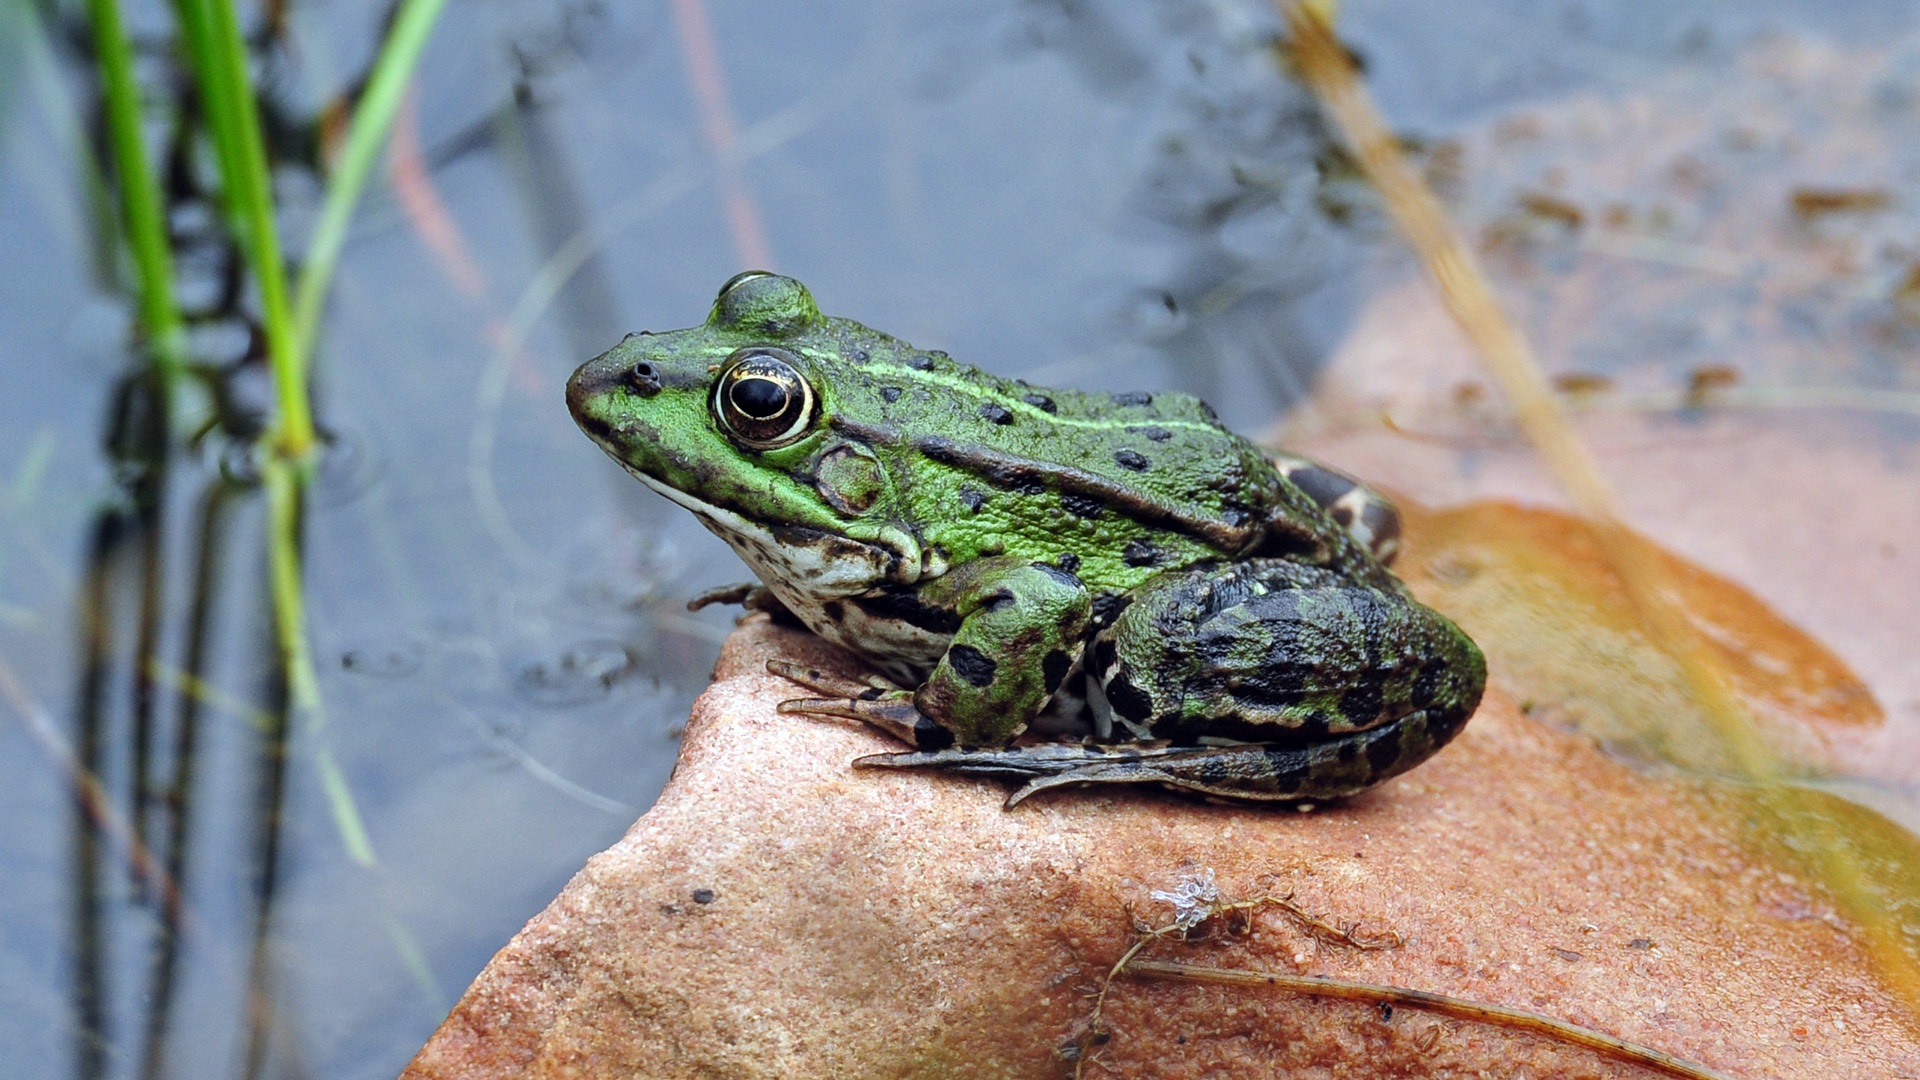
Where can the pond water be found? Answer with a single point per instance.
(1101, 194)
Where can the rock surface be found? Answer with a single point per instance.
(778, 913)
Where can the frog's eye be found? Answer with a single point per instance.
(767, 306)
(762, 400)
(739, 279)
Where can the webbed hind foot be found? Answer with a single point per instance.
(1241, 772)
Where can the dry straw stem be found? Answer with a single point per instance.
(97, 803)
(1325, 66)
(1458, 1008)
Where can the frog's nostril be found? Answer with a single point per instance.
(644, 379)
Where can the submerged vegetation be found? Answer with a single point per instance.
(183, 398)
(228, 117)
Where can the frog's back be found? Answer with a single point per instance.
(1121, 485)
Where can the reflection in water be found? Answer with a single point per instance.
(180, 854)
(119, 705)
(157, 633)
(145, 688)
(209, 536)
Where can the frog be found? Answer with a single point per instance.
(1050, 586)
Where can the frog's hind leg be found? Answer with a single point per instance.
(1367, 515)
(1286, 681)
(1249, 772)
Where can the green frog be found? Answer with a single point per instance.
(1060, 587)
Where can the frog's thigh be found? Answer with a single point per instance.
(1267, 651)
(1020, 628)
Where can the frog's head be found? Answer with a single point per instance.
(734, 420)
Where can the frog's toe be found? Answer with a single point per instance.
(1367, 515)
(751, 596)
(737, 593)
(820, 682)
(1091, 774)
(1013, 762)
(894, 714)
(1042, 766)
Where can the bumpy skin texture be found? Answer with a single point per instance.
(1193, 611)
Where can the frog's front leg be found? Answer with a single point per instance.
(751, 596)
(1020, 626)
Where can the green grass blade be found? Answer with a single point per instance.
(285, 482)
(219, 59)
(366, 134)
(142, 209)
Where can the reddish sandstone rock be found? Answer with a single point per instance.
(778, 913)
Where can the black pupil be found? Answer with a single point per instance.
(759, 397)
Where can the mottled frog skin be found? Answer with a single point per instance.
(1133, 592)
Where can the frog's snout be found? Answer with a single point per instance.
(582, 387)
(613, 371)
(592, 390)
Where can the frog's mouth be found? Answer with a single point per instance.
(797, 561)
(597, 429)
(717, 518)
(811, 562)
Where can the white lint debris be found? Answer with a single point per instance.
(1193, 900)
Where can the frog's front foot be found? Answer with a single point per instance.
(751, 596)
(872, 701)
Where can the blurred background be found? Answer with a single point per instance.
(216, 865)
